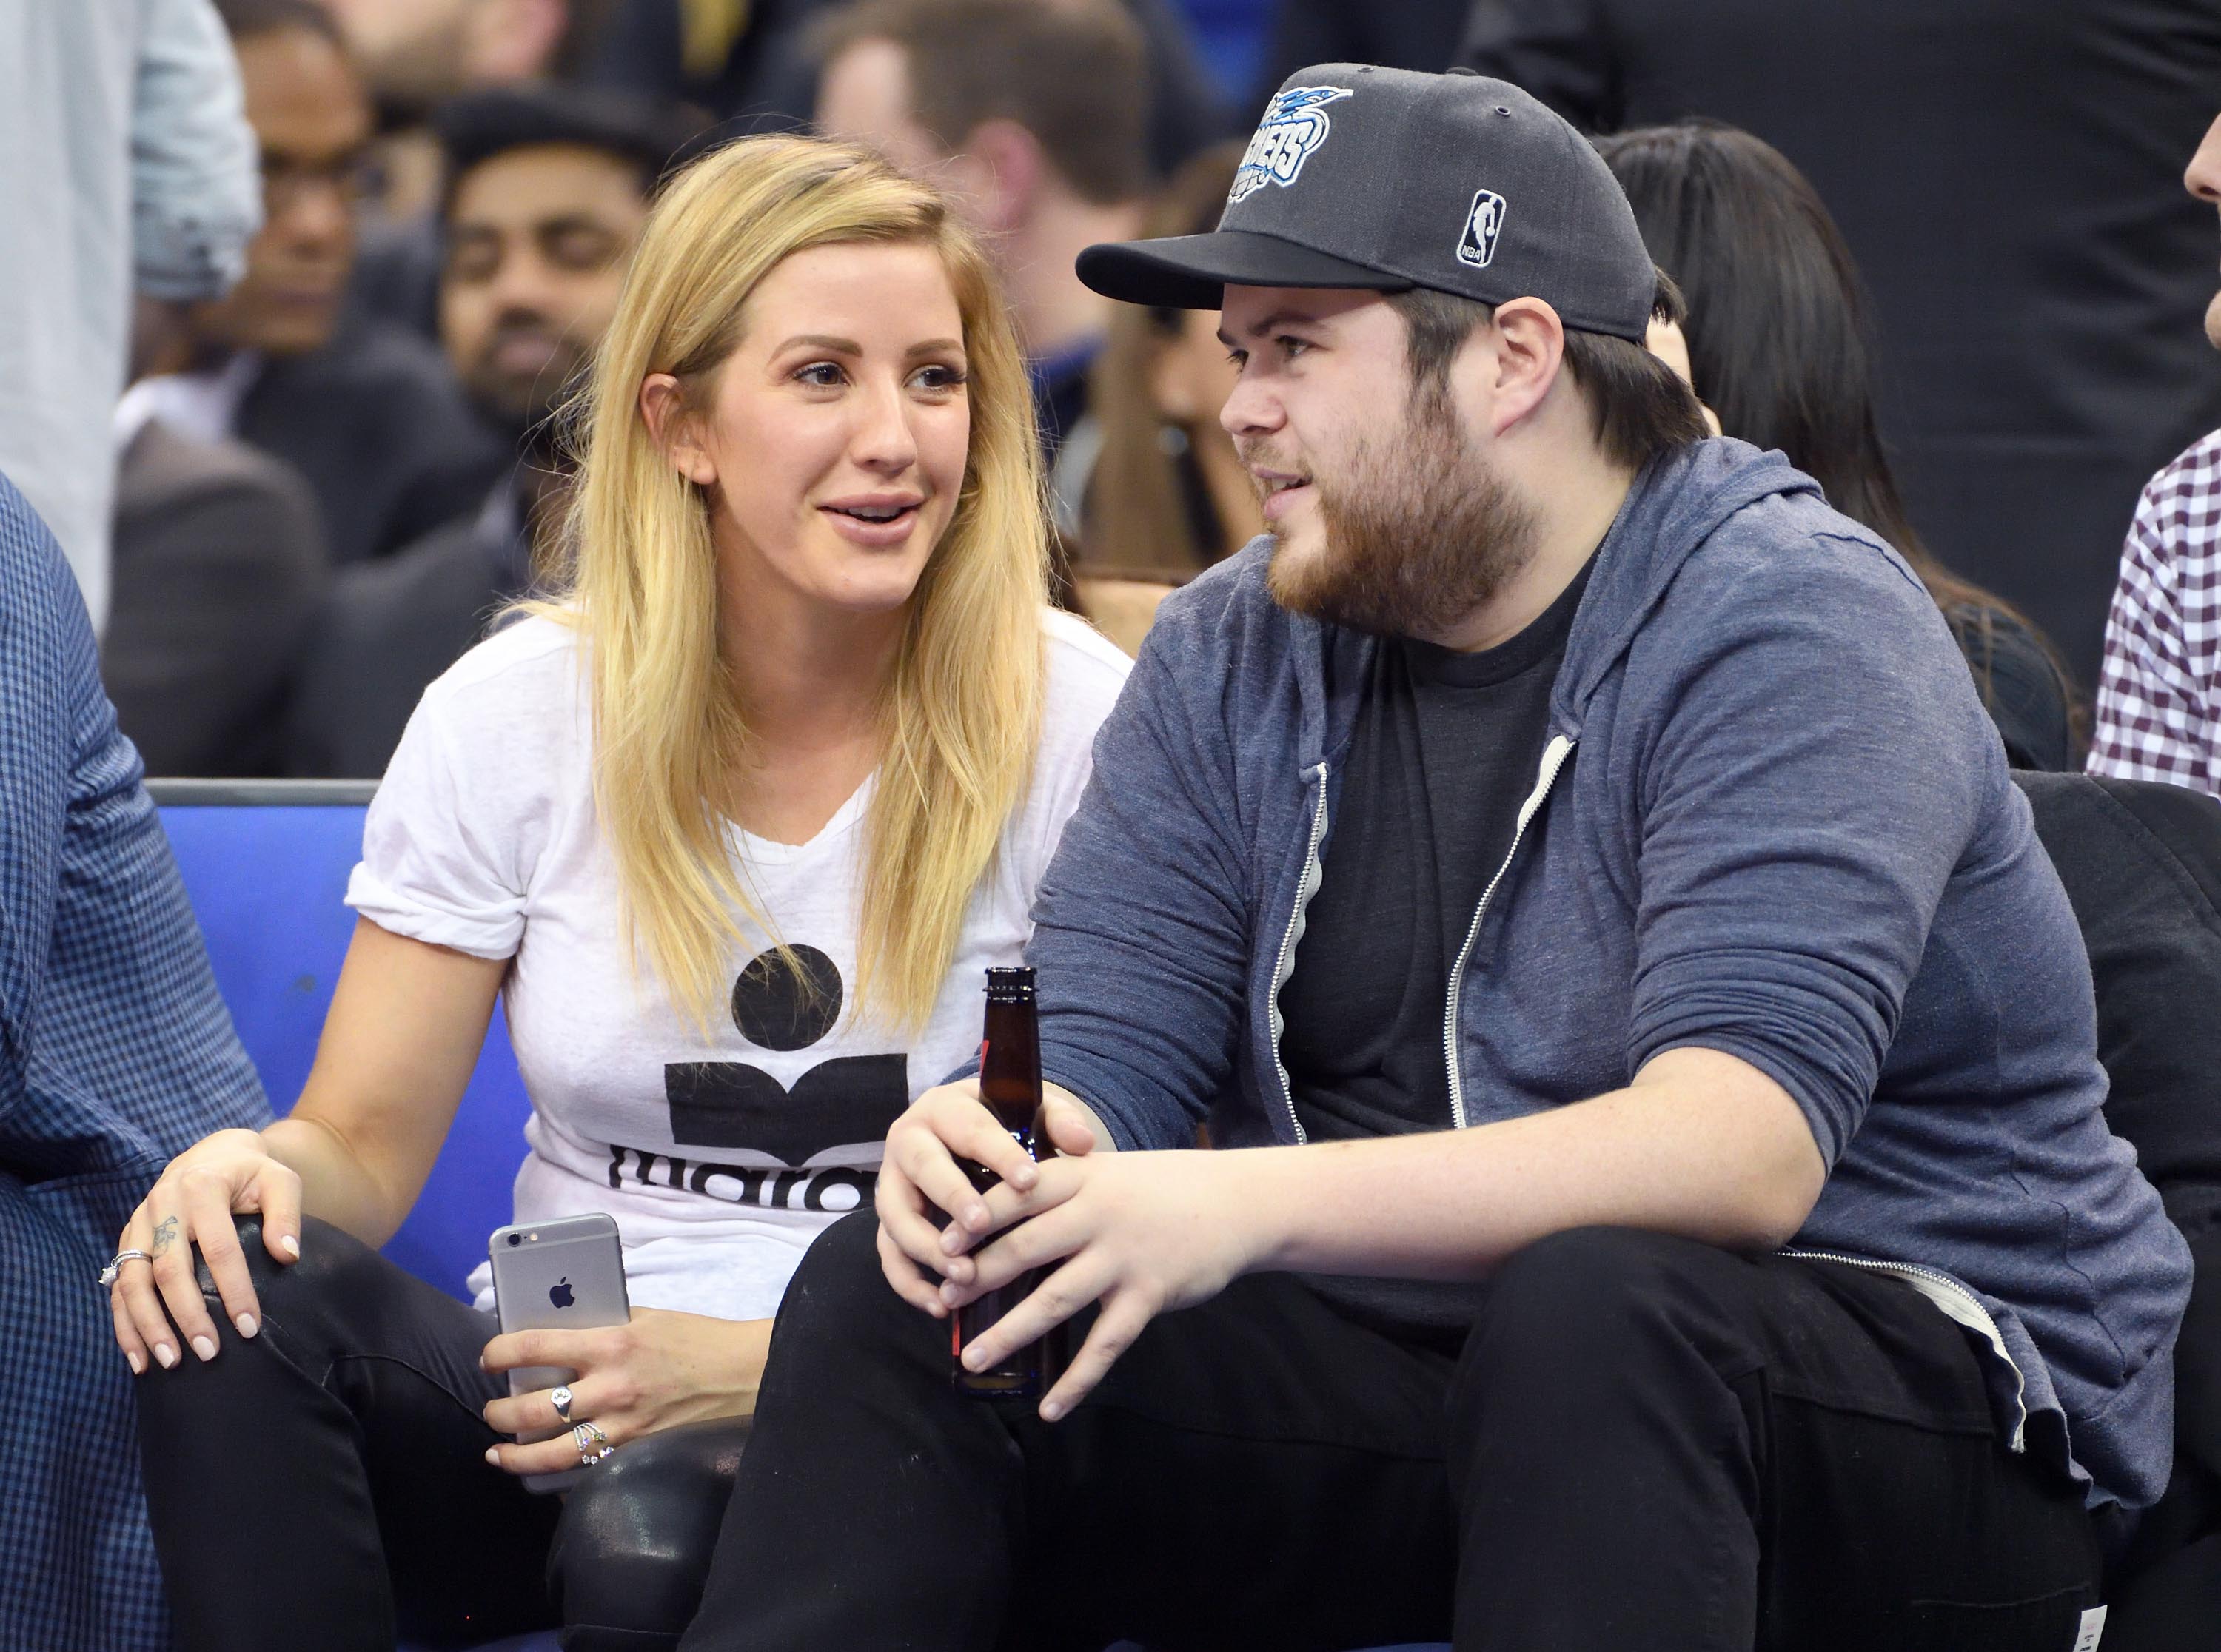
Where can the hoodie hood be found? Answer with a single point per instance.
(1679, 500)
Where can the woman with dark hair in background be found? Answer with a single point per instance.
(1167, 495)
(1780, 348)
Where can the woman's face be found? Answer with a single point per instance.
(833, 446)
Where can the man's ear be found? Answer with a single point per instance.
(1529, 356)
(1004, 169)
(676, 430)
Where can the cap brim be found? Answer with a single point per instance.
(1193, 271)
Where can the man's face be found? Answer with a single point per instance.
(313, 122)
(537, 242)
(2203, 179)
(1385, 508)
(863, 97)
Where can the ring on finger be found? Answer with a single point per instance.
(110, 1274)
(561, 1400)
(594, 1444)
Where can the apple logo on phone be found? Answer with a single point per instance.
(560, 1292)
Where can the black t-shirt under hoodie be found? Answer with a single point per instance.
(1445, 751)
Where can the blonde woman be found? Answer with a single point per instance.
(732, 825)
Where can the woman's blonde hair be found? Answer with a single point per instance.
(637, 576)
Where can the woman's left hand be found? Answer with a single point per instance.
(661, 1369)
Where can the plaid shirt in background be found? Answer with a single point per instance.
(2159, 697)
(115, 1054)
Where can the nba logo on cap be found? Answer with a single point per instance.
(1478, 244)
(1293, 126)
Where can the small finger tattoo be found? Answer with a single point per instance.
(165, 1234)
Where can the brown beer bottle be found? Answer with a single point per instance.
(1010, 1085)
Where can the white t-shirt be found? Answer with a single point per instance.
(720, 1162)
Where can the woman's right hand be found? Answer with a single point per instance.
(223, 1176)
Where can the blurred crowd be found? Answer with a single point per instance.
(1946, 264)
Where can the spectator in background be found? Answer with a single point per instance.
(1031, 117)
(547, 192)
(130, 166)
(365, 410)
(220, 562)
(748, 64)
(2159, 696)
(417, 55)
(115, 1054)
(1780, 347)
(1421, 34)
(1167, 495)
(751, 64)
(2004, 175)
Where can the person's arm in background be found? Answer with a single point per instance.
(196, 176)
(223, 579)
(1556, 50)
(43, 626)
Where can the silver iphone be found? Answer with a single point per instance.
(564, 1275)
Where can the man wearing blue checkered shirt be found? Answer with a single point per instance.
(115, 1053)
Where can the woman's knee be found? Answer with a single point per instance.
(637, 1534)
(839, 1290)
(333, 1266)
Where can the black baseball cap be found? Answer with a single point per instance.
(1390, 179)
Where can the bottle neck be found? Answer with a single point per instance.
(1009, 1064)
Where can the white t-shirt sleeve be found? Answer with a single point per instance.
(1086, 672)
(450, 838)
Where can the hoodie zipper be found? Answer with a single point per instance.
(1553, 758)
(1305, 890)
(1959, 1304)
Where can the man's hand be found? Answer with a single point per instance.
(920, 1180)
(1143, 1233)
(662, 1368)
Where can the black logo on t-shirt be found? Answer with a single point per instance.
(726, 1104)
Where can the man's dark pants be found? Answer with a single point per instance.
(1644, 1442)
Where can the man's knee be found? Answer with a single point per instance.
(637, 1536)
(1594, 1308)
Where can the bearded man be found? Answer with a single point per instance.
(1570, 862)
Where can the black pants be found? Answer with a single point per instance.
(325, 1484)
(1644, 1442)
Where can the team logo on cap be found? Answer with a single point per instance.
(1482, 226)
(1293, 126)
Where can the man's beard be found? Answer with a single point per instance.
(528, 408)
(1420, 530)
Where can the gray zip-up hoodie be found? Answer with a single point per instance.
(1771, 819)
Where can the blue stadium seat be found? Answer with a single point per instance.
(266, 864)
